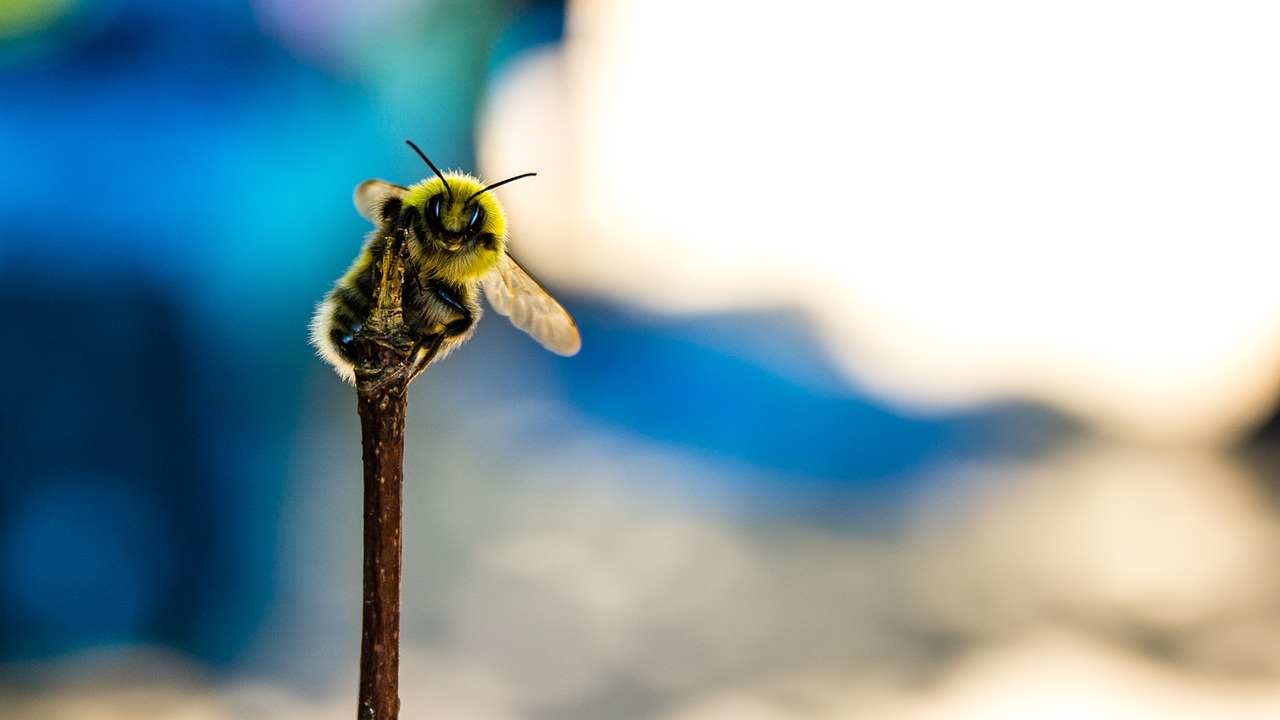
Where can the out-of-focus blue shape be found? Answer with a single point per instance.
(109, 518)
(174, 137)
(86, 559)
(175, 195)
(752, 389)
(174, 198)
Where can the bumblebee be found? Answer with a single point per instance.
(456, 234)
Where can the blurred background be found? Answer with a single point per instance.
(930, 367)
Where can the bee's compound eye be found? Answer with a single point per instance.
(477, 220)
(435, 207)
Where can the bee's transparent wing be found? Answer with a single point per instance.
(371, 194)
(514, 293)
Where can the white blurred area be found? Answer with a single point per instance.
(1068, 202)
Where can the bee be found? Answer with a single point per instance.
(456, 235)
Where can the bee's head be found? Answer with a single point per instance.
(459, 215)
(454, 222)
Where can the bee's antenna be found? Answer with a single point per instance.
(436, 170)
(487, 188)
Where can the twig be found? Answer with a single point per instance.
(386, 361)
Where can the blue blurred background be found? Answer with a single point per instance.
(713, 511)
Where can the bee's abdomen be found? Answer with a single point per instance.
(348, 311)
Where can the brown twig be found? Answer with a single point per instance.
(382, 413)
(386, 361)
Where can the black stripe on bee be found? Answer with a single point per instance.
(363, 285)
(356, 297)
(350, 310)
(391, 209)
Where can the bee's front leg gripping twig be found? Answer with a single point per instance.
(424, 352)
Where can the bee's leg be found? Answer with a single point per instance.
(463, 324)
(424, 351)
(411, 219)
